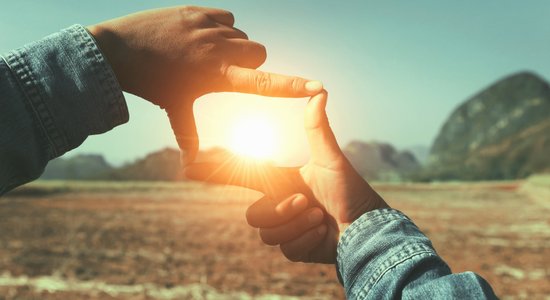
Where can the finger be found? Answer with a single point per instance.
(322, 142)
(300, 248)
(258, 176)
(221, 16)
(183, 125)
(233, 33)
(269, 84)
(267, 212)
(247, 54)
(225, 31)
(291, 206)
(292, 229)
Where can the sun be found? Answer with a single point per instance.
(254, 137)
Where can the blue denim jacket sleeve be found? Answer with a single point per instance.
(383, 255)
(53, 94)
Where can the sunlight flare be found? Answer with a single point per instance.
(254, 137)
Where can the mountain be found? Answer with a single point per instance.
(420, 152)
(380, 161)
(503, 132)
(163, 165)
(78, 167)
(375, 161)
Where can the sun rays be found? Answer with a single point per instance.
(254, 137)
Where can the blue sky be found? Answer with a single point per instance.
(395, 70)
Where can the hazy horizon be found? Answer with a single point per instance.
(394, 71)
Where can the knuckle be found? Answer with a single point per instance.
(263, 82)
(196, 16)
(296, 84)
(201, 35)
(208, 47)
(187, 10)
(202, 18)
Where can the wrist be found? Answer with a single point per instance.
(372, 202)
(99, 34)
(105, 40)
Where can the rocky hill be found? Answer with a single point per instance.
(503, 132)
(380, 161)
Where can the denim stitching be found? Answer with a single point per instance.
(23, 75)
(106, 77)
(371, 218)
(409, 251)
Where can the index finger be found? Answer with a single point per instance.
(252, 81)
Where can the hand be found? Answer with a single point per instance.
(328, 180)
(302, 226)
(173, 56)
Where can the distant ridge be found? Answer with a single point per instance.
(502, 132)
(373, 160)
(380, 161)
(162, 165)
(78, 167)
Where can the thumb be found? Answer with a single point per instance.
(252, 81)
(183, 125)
(323, 144)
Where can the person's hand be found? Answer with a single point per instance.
(174, 55)
(302, 225)
(328, 180)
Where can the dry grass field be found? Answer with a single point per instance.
(95, 240)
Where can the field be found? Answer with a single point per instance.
(78, 240)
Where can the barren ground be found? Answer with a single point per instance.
(74, 240)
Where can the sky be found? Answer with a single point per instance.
(395, 70)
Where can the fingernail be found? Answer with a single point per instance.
(322, 230)
(314, 87)
(315, 217)
(299, 203)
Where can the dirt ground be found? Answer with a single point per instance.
(75, 240)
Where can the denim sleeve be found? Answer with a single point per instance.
(383, 255)
(54, 93)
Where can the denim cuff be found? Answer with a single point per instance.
(371, 219)
(374, 244)
(70, 88)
